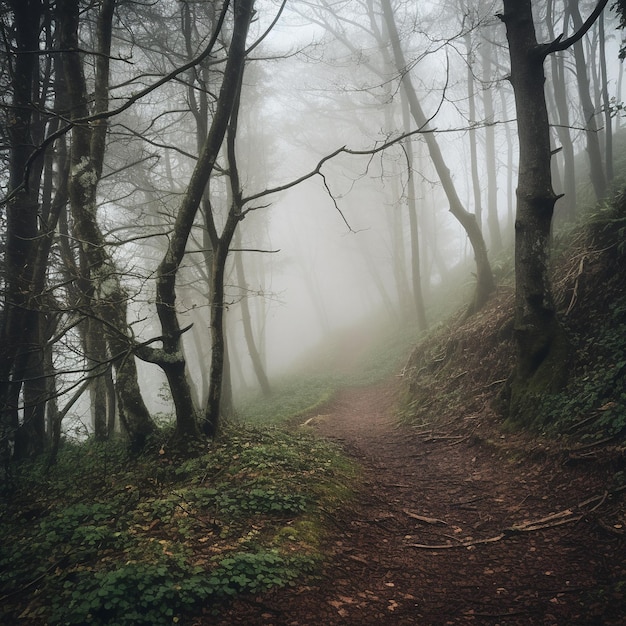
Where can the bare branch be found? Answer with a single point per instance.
(562, 44)
(50, 139)
(317, 170)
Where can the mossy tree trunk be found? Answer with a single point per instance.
(106, 299)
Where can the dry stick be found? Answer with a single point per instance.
(450, 546)
(423, 518)
(443, 438)
(551, 521)
(582, 422)
(593, 444)
(574, 297)
(495, 382)
(605, 495)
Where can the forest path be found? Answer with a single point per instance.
(420, 489)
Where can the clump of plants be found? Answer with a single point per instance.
(103, 538)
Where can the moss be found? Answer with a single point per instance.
(526, 392)
(304, 535)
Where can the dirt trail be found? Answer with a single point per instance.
(437, 492)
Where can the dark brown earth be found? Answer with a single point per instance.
(516, 535)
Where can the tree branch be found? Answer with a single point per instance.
(127, 104)
(562, 44)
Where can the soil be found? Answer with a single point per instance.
(473, 527)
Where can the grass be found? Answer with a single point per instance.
(105, 538)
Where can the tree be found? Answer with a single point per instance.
(619, 6)
(594, 152)
(485, 283)
(106, 299)
(558, 85)
(542, 343)
(172, 361)
(20, 322)
(246, 320)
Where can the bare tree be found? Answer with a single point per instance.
(594, 152)
(485, 282)
(172, 361)
(106, 299)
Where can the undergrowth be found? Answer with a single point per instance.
(106, 539)
(454, 377)
(593, 307)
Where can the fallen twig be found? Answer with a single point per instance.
(495, 382)
(423, 518)
(575, 290)
(443, 438)
(461, 544)
(567, 516)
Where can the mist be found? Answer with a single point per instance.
(364, 143)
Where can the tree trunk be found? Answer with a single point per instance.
(19, 320)
(493, 221)
(416, 269)
(398, 250)
(173, 364)
(32, 430)
(606, 104)
(471, 97)
(107, 300)
(215, 407)
(541, 341)
(485, 284)
(598, 178)
(567, 205)
(510, 209)
(212, 414)
(246, 320)
(97, 366)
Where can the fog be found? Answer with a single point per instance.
(334, 251)
(345, 135)
(339, 238)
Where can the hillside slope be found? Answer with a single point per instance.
(455, 378)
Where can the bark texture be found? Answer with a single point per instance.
(19, 318)
(106, 299)
(542, 345)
